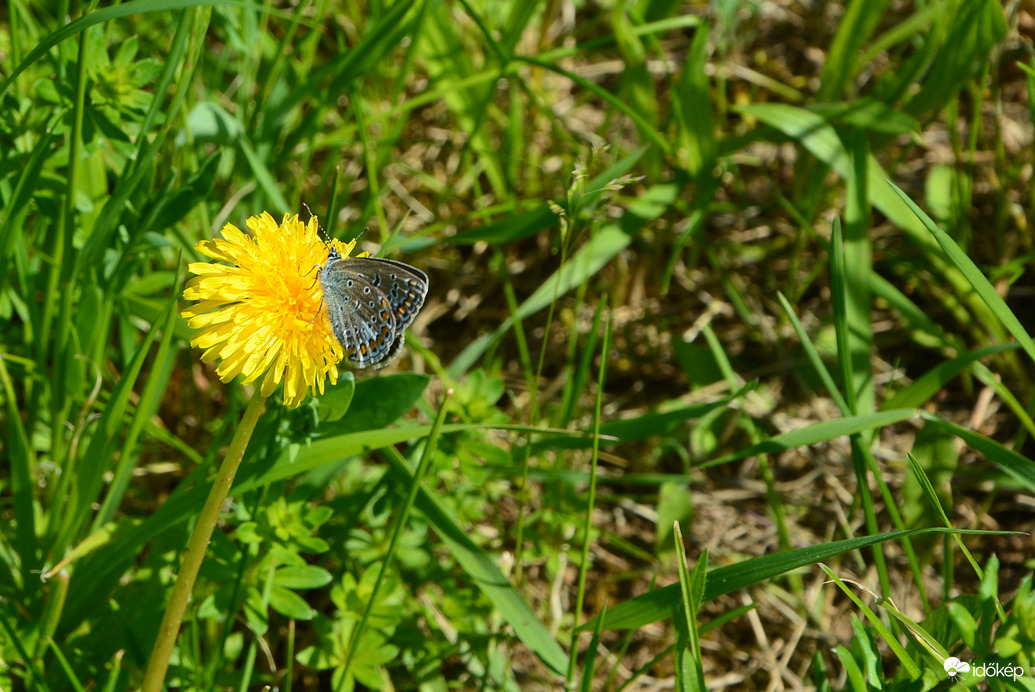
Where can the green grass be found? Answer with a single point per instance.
(743, 398)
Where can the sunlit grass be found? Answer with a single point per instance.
(778, 320)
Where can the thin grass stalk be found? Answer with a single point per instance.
(844, 358)
(580, 594)
(128, 458)
(66, 666)
(422, 468)
(21, 460)
(271, 76)
(524, 355)
(370, 161)
(776, 506)
(647, 128)
(158, 664)
(289, 659)
(533, 415)
(14, 21)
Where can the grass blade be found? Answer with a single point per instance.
(975, 279)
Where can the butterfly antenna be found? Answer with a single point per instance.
(318, 224)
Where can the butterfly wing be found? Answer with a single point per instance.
(360, 314)
(370, 302)
(406, 287)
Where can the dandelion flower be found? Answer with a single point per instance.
(259, 315)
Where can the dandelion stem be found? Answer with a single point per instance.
(158, 665)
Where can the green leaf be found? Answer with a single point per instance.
(307, 577)
(664, 602)
(289, 603)
(818, 432)
(1020, 467)
(510, 228)
(376, 403)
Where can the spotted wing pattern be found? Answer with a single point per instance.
(370, 303)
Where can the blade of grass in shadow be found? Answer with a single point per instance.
(66, 667)
(635, 84)
(927, 385)
(974, 29)
(513, 226)
(144, 409)
(669, 417)
(975, 279)
(692, 110)
(925, 332)
(382, 35)
(21, 461)
(659, 26)
(855, 273)
(57, 337)
(647, 129)
(664, 602)
(271, 74)
(839, 303)
(517, 225)
(327, 450)
(448, 52)
(577, 376)
(814, 358)
(586, 680)
(139, 167)
(860, 20)
(828, 381)
(520, 339)
(903, 32)
(17, 205)
(262, 173)
(36, 681)
(1021, 468)
(88, 478)
(369, 148)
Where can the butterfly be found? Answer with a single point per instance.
(370, 303)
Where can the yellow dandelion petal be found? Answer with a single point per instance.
(259, 314)
(269, 385)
